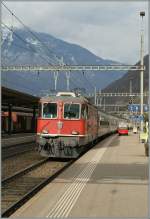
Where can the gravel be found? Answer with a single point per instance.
(16, 163)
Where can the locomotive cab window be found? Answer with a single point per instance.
(50, 110)
(71, 111)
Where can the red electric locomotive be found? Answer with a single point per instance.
(66, 123)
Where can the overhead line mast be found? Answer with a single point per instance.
(142, 14)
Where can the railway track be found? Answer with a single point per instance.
(20, 187)
(10, 151)
(19, 162)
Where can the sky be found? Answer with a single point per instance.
(109, 29)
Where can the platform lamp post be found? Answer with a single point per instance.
(131, 97)
(142, 14)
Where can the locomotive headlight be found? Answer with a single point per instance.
(74, 132)
(45, 131)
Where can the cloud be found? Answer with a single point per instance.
(109, 29)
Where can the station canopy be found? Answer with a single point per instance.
(17, 98)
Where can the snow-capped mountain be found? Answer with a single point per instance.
(22, 48)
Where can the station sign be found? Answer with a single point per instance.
(136, 118)
(146, 108)
(134, 108)
(137, 108)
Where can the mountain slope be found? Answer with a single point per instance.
(27, 50)
(122, 85)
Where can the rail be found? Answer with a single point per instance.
(29, 187)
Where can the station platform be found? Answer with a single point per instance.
(14, 139)
(19, 111)
(110, 180)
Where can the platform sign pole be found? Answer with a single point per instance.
(142, 14)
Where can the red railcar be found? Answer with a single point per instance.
(123, 129)
(66, 125)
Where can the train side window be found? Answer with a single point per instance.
(104, 123)
(84, 112)
(50, 110)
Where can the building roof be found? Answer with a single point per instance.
(17, 98)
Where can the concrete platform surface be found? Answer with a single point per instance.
(6, 136)
(20, 138)
(111, 180)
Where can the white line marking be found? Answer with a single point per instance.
(71, 195)
(67, 193)
(63, 207)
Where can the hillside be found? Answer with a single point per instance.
(122, 85)
(27, 50)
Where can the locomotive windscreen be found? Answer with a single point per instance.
(71, 111)
(50, 110)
